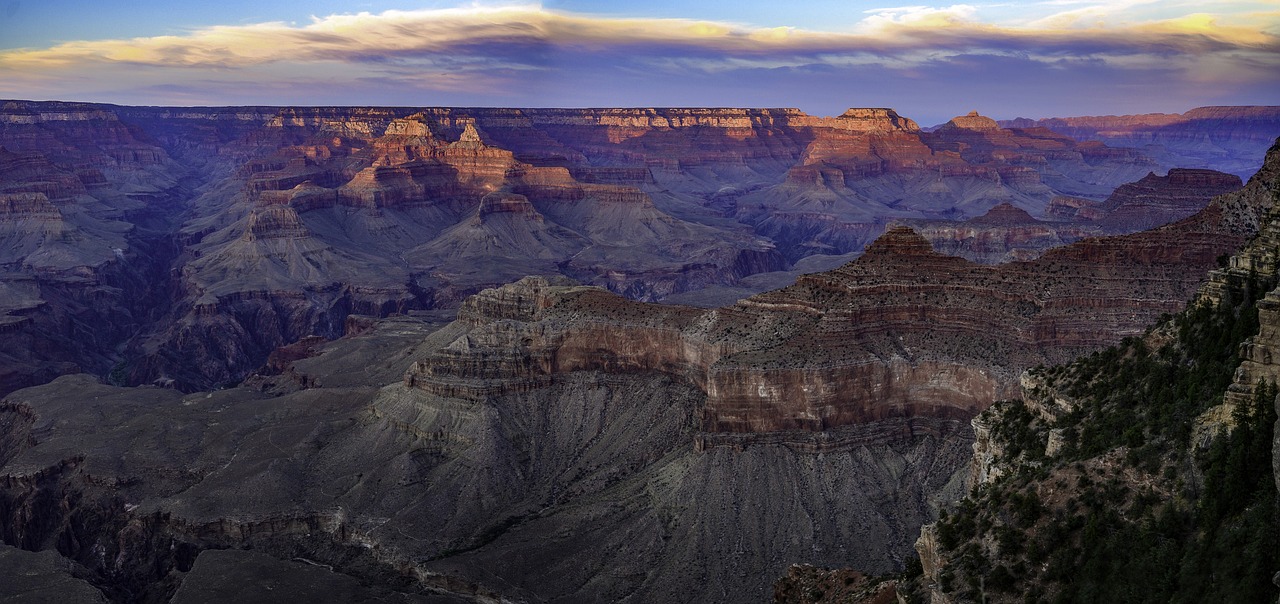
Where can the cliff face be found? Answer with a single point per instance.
(902, 331)
(465, 484)
(1228, 139)
(1008, 233)
(1156, 200)
(82, 196)
(1101, 456)
(689, 455)
(847, 186)
(1004, 234)
(242, 229)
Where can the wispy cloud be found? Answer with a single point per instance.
(519, 54)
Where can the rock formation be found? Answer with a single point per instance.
(847, 186)
(81, 195)
(1009, 233)
(1005, 233)
(1227, 139)
(1156, 200)
(227, 232)
(1098, 455)
(558, 441)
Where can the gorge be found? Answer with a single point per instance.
(318, 348)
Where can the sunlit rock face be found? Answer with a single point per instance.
(207, 237)
(902, 331)
(685, 454)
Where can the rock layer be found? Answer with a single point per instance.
(1229, 139)
(683, 454)
(902, 331)
(245, 228)
(1008, 233)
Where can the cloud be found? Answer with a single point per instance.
(510, 32)
(522, 54)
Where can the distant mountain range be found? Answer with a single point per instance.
(1227, 139)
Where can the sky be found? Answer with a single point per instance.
(929, 62)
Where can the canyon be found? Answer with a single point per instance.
(403, 413)
(1073, 484)
(183, 245)
(1205, 137)
(1007, 233)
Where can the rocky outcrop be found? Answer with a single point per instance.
(970, 122)
(1227, 139)
(805, 584)
(366, 480)
(281, 221)
(1067, 208)
(1005, 233)
(859, 344)
(1035, 461)
(45, 577)
(932, 561)
(1156, 200)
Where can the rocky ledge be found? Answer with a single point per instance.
(900, 332)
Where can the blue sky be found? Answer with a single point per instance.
(930, 62)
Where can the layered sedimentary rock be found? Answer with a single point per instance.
(1055, 444)
(499, 497)
(1004, 234)
(902, 331)
(262, 225)
(848, 185)
(81, 198)
(683, 454)
(1258, 262)
(1008, 233)
(1156, 200)
(1228, 139)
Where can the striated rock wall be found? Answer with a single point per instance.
(1005, 233)
(1157, 200)
(1132, 470)
(310, 212)
(1229, 139)
(900, 332)
(496, 497)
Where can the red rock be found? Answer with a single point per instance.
(900, 332)
(1230, 139)
(1157, 200)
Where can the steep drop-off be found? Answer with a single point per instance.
(559, 442)
(1145, 472)
(197, 240)
(1008, 233)
(1228, 139)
